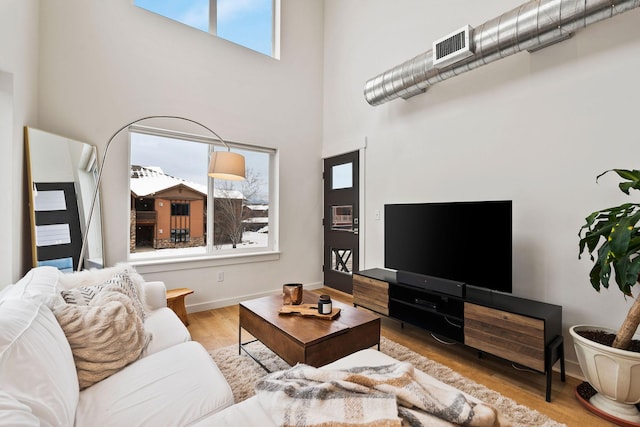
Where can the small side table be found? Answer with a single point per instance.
(175, 301)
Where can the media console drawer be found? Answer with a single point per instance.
(514, 337)
(371, 293)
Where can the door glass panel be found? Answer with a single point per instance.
(342, 218)
(342, 176)
(341, 260)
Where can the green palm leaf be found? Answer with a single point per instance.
(612, 238)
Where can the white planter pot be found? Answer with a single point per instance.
(614, 373)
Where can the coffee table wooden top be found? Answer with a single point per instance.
(308, 330)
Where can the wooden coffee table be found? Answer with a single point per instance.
(308, 340)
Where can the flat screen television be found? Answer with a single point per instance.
(468, 242)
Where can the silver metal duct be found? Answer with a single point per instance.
(531, 26)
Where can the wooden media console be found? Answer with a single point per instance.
(522, 331)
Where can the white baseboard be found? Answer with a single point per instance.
(572, 369)
(210, 305)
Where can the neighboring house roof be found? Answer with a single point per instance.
(228, 194)
(258, 207)
(257, 220)
(149, 180)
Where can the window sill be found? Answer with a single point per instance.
(159, 265)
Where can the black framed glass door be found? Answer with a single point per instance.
(341, 220)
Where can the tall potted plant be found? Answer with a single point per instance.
(612, 238)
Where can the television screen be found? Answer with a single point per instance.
(469, 242)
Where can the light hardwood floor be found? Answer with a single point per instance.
(219, 328)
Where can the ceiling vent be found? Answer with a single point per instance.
(452, 47)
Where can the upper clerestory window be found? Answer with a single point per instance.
(249, 23)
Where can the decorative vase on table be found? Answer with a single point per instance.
(613, 373)
(292, 294)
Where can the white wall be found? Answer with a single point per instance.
(18, 96)
(104, 64)
(533, 128)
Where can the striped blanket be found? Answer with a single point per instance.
(368, 396)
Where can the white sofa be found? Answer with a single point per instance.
(174, 382)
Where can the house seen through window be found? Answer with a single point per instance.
(249, 23)
(177, 210)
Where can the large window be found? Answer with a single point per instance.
(177, 210)
(179, 235)
(249, 23)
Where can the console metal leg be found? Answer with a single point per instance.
(554, 351)
(563, 376)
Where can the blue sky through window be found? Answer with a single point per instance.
(245, 22)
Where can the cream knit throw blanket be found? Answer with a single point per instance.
(104, 336)
(370, 396)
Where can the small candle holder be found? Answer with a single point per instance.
(324, 304)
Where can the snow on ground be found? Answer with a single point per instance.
(250, 239)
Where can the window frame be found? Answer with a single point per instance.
(216, 257)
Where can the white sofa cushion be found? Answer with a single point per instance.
(16, 414)
(155, 295)
(175, 387)
(36, 364)
(165, 329)
(246, 413)
(40, 284)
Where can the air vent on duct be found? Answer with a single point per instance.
(452, 47)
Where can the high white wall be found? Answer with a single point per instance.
(534, 128)
(104, 64)
(18, 96)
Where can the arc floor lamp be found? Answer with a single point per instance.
(222, 165)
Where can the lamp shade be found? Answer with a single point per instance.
(227, 165)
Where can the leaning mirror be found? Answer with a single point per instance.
(62, 180)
